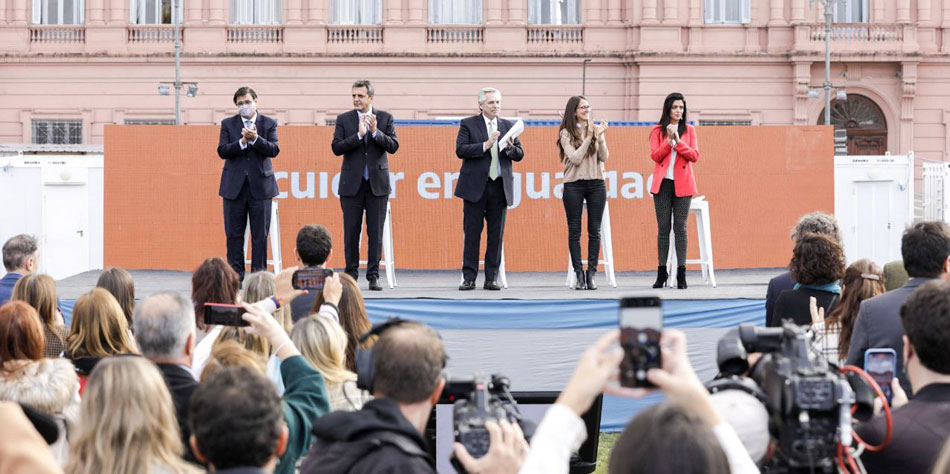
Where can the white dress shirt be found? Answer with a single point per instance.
(360, 116)
(244, 122)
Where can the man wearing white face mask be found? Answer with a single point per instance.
(247, 144)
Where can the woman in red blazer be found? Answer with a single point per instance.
(674, 149)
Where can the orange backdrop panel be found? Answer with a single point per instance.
(162, 209)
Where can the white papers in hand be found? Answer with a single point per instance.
(514, 132)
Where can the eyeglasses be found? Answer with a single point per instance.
(584, 107)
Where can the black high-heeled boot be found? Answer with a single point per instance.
(681, 277)
(661, 276)
(580, 282)
(590, 278)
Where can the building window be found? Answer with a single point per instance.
(255, 12)
(455, 12)
(356, 12)
(58, 12)
(554, 12)
(154, 12)
(57, 132)
(852, 11)
(727, 12)
(719, 123)
(150, 121)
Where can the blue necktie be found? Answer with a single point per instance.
(366, 141)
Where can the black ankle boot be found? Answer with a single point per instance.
(581, 281)
(661, 276)
(590, 279)
(681, 277)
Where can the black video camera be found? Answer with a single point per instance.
(808, 400)
(476, 400)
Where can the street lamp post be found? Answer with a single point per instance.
(829, 13)
(176, 4)
(828, 6)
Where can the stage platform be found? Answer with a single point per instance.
(732, 284)
(535, 330)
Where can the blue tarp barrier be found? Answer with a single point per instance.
(559, 314)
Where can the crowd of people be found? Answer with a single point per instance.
(309, 385)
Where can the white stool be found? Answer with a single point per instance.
(699, 207)
(606, 248)
(501, 269)
(274, 234)
(388, 259)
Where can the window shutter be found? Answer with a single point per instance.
(37, 12)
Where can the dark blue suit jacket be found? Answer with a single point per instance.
(878, 325)
(6, 285)
(776, 286)
(252, 163)
(475, 161)
(371, 152)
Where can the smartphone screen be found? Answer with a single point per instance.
(225, 314)
(881, 365)
(310, 278)
(641, 321)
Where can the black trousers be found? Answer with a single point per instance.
(668, 205)
(237, 211)
(594, 191)
(491, 209)
(353, 210)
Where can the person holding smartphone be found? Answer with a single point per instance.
(582, 148)
(673, 148)
(921, 426)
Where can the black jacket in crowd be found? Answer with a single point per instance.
(181, 384)
(375, 440)
(921, 427)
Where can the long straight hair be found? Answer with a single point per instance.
(99, 328)
(322, 342)
(119, 282)
(569, 123)
(665, 117)
(127, 422)
(353, 318)
(39, 291)
(859, 285)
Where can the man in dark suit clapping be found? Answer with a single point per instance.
(485, 185)
(364, 136)
(247, 144)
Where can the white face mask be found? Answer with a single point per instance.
(246, 110)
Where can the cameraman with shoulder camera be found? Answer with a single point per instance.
(922, 425)
(387, 435)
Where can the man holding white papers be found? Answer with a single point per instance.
(485, 184)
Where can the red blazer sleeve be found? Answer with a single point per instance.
(688, 148)
(659, 148)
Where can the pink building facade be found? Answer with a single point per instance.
(70, 67)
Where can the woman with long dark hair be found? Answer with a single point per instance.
(862, 280)
(582, 149)
(674, 148)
